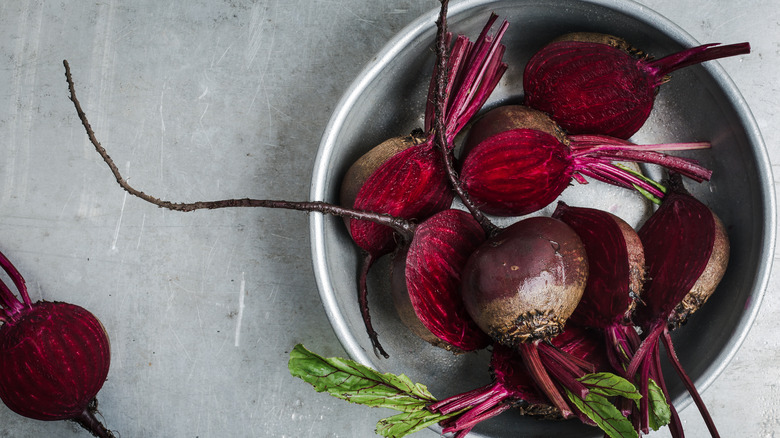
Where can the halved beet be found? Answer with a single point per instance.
(426, 277)
(598, 84)
(516, 160)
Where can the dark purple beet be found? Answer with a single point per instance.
(516, 161)
(54, 357)
(616, 264)
(426, 278)
(685, 246)
(596, 84)
(520, 286)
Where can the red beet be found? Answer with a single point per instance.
(404, 176)
(520, 287)
(54, 357)
(686, 247)
(616, 264)
(597, 84)
(426, 281)
(516, 160)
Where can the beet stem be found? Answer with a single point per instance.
(537, 370)
(439, 124)
(695, 55)
(365, 265)
(675, 425)
(465, 400)
(672, 355)
(492, 407)
(404, 227)
(8, 301)
(18, 280)
(645, 350)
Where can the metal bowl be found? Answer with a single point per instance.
(700, 103)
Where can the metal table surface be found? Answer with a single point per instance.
(213, 99)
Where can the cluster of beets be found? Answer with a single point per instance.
(559, 297)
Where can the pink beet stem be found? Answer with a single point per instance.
(466, 400)
(484, 71)
(687, 167)
(538, 371)
(474, 70)
(475, 416)
(611, 174)
(580, 146)
(645, 350)
(675, 425)
(455, 59)
(11, 305)
(695, 55)
(667, 340)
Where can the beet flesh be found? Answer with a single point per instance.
(592, 87)
(516, 161)
(616, 266)
(54, 357)
(426, 279)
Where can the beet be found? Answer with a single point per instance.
(54, 357)
(686, 248)
(598, 84)
(404, 176)
(516, 160)
(616, 266)
(520, 287)
(426, 281)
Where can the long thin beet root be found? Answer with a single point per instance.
(598, 84)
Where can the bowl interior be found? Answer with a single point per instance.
(699, 103)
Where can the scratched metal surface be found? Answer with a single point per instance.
(205, 100)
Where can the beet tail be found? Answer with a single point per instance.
(695, 55)
(89, 421)
(365, 265)
(672, 355)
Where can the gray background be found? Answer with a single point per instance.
(212, 99)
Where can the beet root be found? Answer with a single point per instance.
(522, 284)
(516, 161)
(54, 357)
(599, 84)
(426, 277)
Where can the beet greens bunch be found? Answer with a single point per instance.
(573, 307)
